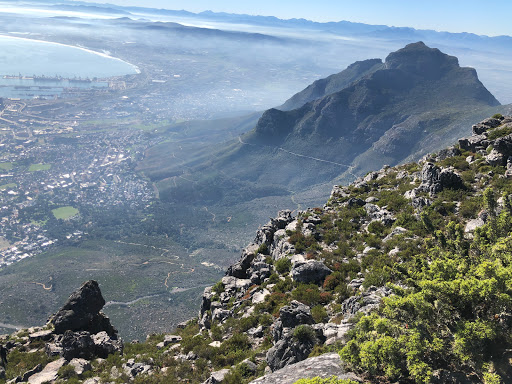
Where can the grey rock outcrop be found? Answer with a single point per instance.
(217, 377)
(310, 272)
(323, 366)
(80, 329)
(82, 312)
(290, 345)
(366, 302)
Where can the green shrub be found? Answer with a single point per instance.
(304, 333)
(319, 314)
(283, 265)
(218, 288)
(263, 249)
(308, 294)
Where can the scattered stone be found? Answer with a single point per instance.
(215, 344)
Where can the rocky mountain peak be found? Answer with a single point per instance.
(418, 59)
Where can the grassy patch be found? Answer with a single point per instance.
(6, 166)
(39, 167)
(65, 213)
(7, 186)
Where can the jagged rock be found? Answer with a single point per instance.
(290, 350)
(240, 268)
(474, 143)
(310, 272)
(215, 344)
(485, 125)
(77, 344)
(86, 346)
(48, 374)
(504, 145)
(283, 218)
(217, 377)
(448, 178)
(447, 152)
(105, 345)
(82, 312)
(220, 314)
(133, 369)
(256, 332)
(28, 374)
(295, 314)
(323, 366)
(364, 303)
(281, 247)
(80, 365)
(495, 158)
(376, 213)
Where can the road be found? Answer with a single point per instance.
(349, 167)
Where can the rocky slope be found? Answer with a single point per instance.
(405, 275)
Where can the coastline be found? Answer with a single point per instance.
(102, 54)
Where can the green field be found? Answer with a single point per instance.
(6, 166)
(65, 213)
(39, 167)
(7, 186)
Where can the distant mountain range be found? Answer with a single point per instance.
(373, 113)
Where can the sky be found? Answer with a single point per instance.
(483, 17)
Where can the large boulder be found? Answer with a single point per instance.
(323, 366)
(310, 272)
(82, 312)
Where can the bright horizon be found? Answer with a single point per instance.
(472, 16)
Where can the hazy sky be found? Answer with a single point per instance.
(487, 17)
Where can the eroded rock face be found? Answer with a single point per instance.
(82, 312)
